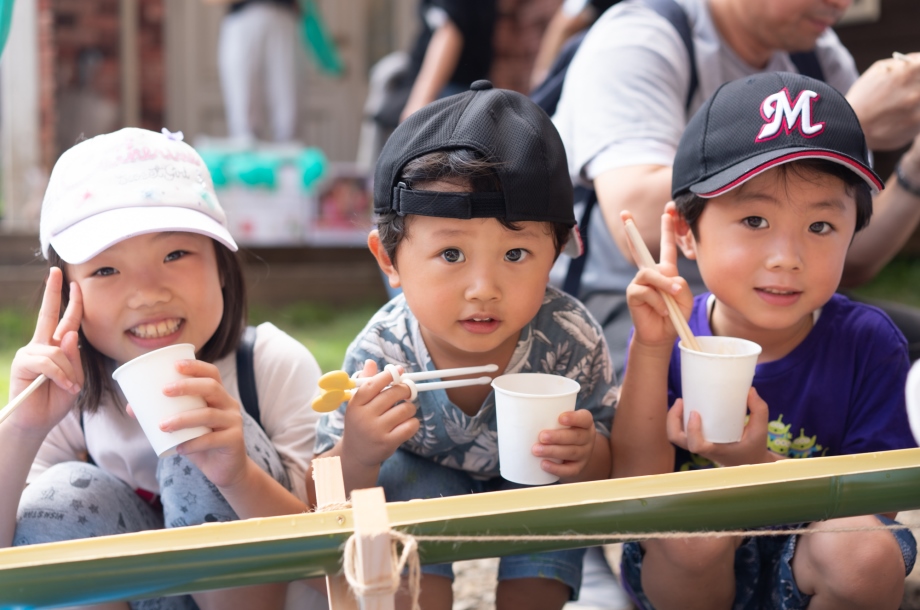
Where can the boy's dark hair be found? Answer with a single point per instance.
(690, 205)
(97, 368)
(457, 166)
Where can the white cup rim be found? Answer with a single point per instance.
(755, 348)
(142, 357)
(573, 386)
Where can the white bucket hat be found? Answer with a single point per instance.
(127, 183)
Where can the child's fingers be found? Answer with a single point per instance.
(73, 315)
(674, 424)
(562, 451)
(695, 441)
(658, 280)
(70, 345)
(668, 254)
(215, 419)
(211, 390)
(219, 439)
(50, 307)
(581, 418)
(51, 362)
(562, 470)
(198, 368)
(394, 416)
(404, 431)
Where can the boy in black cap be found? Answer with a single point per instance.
(771, 182)
(474, 204)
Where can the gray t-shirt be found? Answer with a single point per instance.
(623, 104)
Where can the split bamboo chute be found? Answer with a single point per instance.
(298, 546)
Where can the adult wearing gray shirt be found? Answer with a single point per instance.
(624, 107)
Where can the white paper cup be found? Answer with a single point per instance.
(715, 384)
(525, 404)
(142, 380)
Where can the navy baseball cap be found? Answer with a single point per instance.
(499, 125)
(753, 124)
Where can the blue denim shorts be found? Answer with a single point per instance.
(406, 476)
(763, 571)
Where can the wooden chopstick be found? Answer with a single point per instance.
(646, 261)
(8, 409)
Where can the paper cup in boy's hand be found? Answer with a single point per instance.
(526, 404)
(715, 384)
(142, 380)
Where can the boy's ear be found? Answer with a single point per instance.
(383, 259)
(684, 237)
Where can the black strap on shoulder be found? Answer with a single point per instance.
(246, 373)
(675, 15)
(807, 64)
(547, 93)
(572, 283)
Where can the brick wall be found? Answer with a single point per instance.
(80, 70)
(517, 37)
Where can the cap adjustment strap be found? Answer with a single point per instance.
(448, 205)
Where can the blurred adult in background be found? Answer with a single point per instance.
(571, 18)
(258, 47)
(625, 104)
(453, 49)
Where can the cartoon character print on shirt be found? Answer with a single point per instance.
(779, 441)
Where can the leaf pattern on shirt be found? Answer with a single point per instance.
(460, 429)
(578, 327)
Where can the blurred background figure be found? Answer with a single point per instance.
(572, 17)
(453, 49)
(257, 47)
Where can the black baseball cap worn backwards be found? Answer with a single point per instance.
(501, 126)
(753, 124)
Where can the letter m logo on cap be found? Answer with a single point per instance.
(781, 114)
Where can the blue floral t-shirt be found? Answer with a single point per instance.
(562, 339)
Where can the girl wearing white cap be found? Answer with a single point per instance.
(140, 259)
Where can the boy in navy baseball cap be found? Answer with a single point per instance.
(474, 204)
(770, 183)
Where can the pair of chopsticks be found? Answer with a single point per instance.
(336, 386)
(647, 262)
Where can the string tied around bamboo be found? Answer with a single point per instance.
(388, 584)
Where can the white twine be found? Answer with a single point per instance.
(387, 584)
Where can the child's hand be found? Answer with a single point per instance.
(220, 454)
(751, 449)
(377, 420)
(573, 445)
(646, 305)
(53, 352)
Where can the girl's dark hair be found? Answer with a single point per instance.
(458, 166)
(690, 205)
(97, 368)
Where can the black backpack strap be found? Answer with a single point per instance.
(246, 373)
(676, 16)
(547, 93)
(572, 283)
(807, 64)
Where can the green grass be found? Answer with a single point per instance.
(898, 282)
(326, 331)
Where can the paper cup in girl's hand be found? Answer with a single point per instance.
(525, 404)
(142, 380)
(715, 384)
